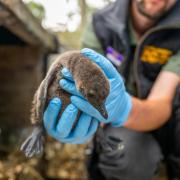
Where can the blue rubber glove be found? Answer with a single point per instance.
(118, 103)
(62, 129)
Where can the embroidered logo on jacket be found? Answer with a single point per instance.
(152, 54)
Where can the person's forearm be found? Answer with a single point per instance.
(152, 113)
(147, 115)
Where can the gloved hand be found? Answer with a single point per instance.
(62, 130)
(118, 103)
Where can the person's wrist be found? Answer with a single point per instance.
(126, 105)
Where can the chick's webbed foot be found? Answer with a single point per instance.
(33, 145)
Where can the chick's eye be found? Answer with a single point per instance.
(81, 89)
(91, 94)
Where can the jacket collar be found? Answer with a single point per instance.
(171, 18)
(114, 17)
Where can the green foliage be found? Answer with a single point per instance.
(37, 10)
(72, 40)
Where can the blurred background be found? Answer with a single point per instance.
(66, 18)
(32, 34)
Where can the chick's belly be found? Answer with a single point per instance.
(54, 90)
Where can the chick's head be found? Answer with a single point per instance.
(95, 89)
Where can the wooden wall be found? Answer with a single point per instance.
(20, 75)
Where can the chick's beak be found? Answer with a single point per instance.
(103, 111)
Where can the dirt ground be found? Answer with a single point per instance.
(59, 161)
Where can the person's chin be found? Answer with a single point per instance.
(150, 14)
(154, 16)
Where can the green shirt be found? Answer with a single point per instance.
(173, 65)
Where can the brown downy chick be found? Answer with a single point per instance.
(89, 80)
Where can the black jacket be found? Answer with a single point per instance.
(110, 25)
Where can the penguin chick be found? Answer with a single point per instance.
(89, 80)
